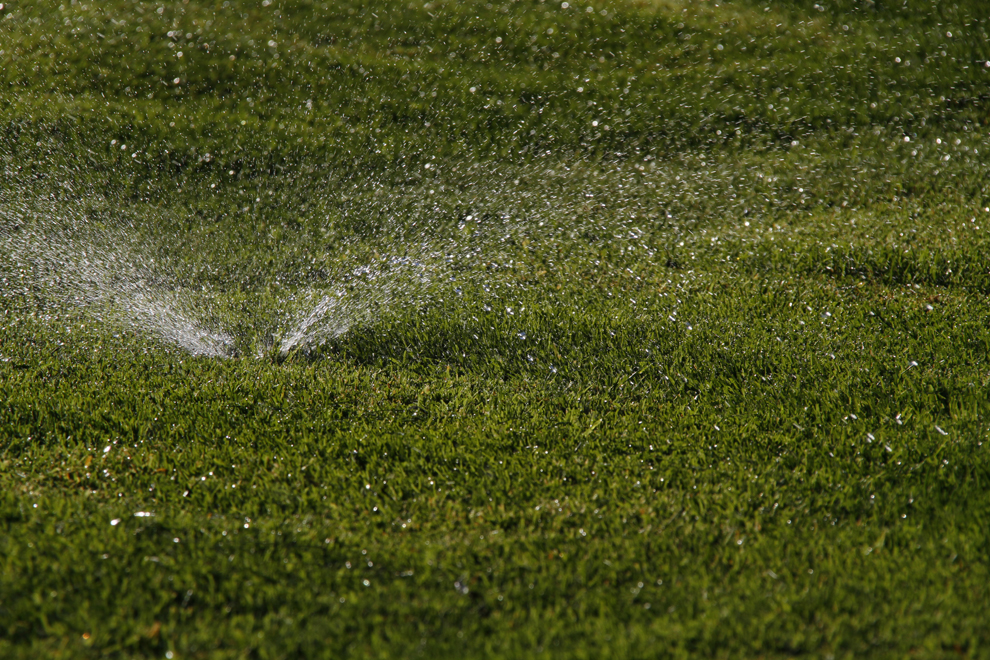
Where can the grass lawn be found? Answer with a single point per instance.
(522, 329)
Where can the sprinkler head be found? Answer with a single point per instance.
(266, 347)
(287, 346)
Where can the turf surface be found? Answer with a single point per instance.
(647, 329)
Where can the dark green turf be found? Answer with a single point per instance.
(678, 347)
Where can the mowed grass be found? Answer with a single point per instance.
(677, 348)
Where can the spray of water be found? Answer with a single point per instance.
(406, 247)
(374, 288)
(66, 262)
(54, 254)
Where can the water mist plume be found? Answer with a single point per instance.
(99, 270)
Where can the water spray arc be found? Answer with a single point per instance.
(70, 264)
(371, 249)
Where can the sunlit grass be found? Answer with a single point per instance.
(654, 330)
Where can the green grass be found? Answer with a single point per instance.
(678, 347)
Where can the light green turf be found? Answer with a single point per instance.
(663, 329)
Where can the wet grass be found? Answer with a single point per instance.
(677, 348)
